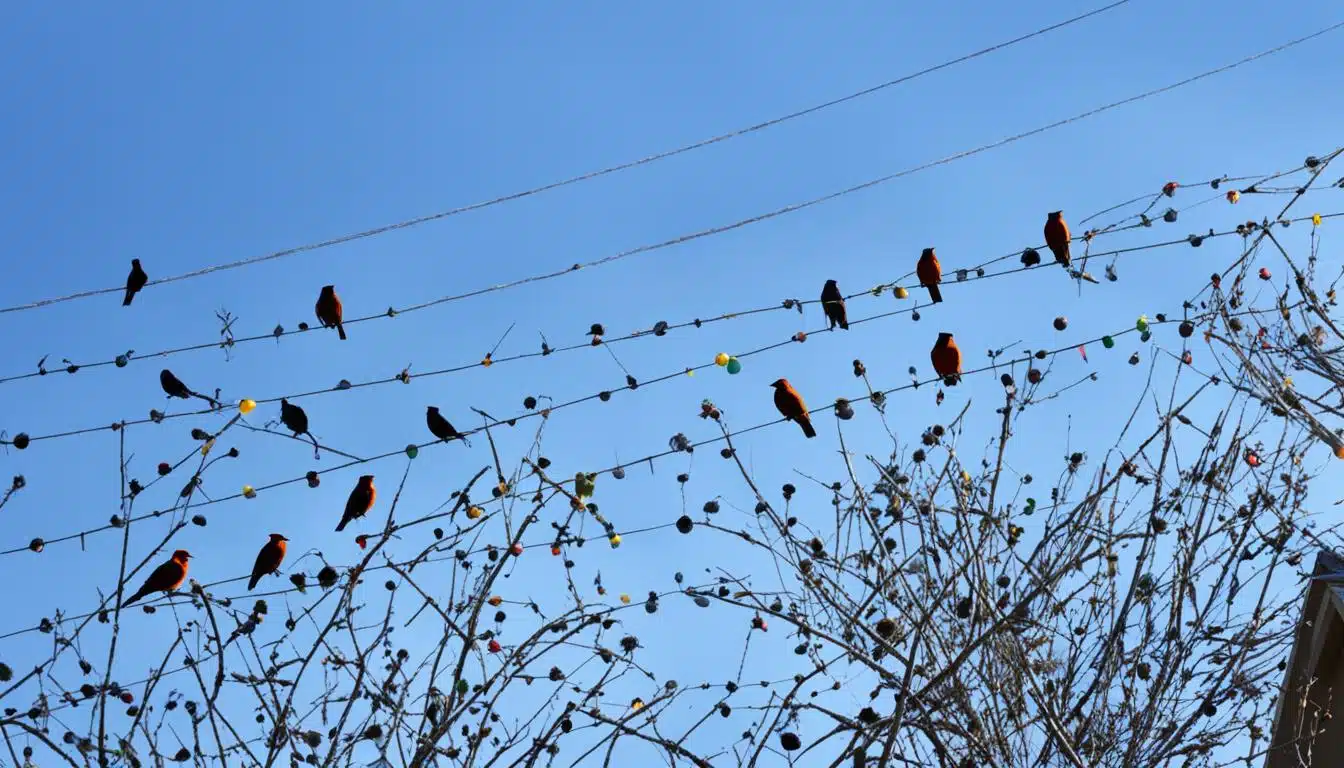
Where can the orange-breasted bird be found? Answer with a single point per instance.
(946, 359)
(1057, 237)
(930, 274)
(360, 501)
(165, 578)
(439, 426)
(268, 559)
(173, 387)
(791, 406)
(833, 304)
(134, 282)
(329, 310)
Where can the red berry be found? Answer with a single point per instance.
(517, 548)
(495, 647)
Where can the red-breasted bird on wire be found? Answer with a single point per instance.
(294, 419)
(440, 427)
(329, 310)
(360, 501)
(268, 559)
(946, 359)
(166, 578)
(833, 304)
(173, 387)
(791, 406)
(930, 274)
(134, 282)
(1057, 237)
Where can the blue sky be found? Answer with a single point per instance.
(193, 136)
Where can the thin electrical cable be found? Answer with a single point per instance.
(123, 360)
(257, 490)
(795, 207)
(963, 275)
(1027, 359)
(582, 177)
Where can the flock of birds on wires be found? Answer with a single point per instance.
(945, 357)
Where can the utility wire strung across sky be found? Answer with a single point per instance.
(686, 446)
(582, 177)
(795, 207)
(124, 360)
(969, 274)
(41, 544)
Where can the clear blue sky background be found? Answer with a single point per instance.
(192, 136)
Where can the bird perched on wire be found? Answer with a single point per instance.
(1057, 237)
(946, 359)
(173, 387)
(134, 282)
(833, 304)
(293, 417)
(439, 426)
(360, 501)
(930, 274)
(329, 310)
(791, 406)
(268, 559)
(166, 578)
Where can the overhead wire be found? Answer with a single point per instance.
(962, 274)
(408, 223)
(795, 207)
(123, 360)
(404, 451)
(1029, 359)
(994, 367)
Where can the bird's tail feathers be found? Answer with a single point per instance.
(126, 302)
(133, 598)
(341, 527)
(212, 401)
(251, 583)
(340, 331)
(806, 423)
(935, 295)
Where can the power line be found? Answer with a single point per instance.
(998, 365)
(963, 275)
(582, 177)
(795, 207)
(123, 360)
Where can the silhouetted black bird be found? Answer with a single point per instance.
(833, 304)
(293, 417)
(134, 282)
(174, 387)
(440, 427)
